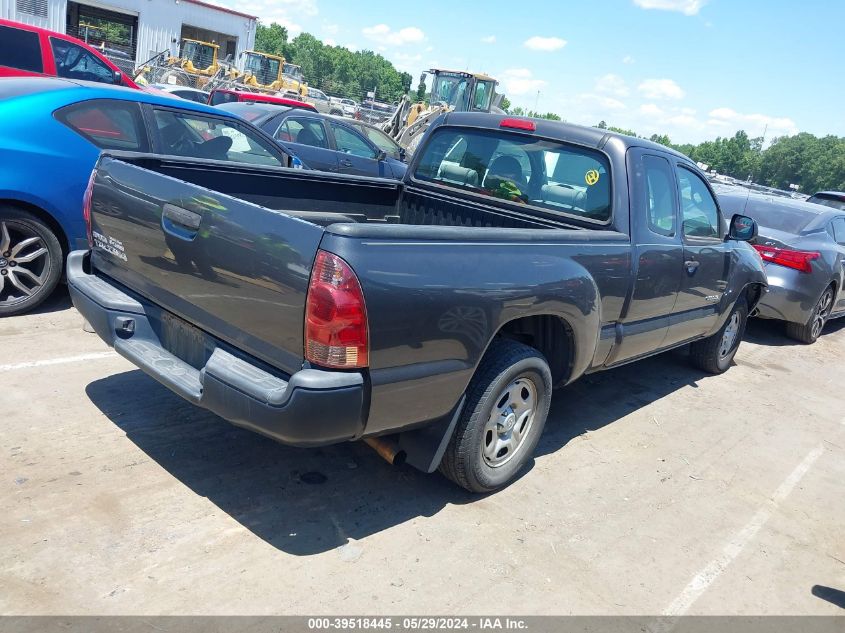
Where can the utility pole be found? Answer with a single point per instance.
(537, 103)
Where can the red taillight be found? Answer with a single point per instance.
(86, 208)
(519, 124)
(799, 260)
(335, 316)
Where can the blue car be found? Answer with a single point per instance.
(51, 134)
(324, 142)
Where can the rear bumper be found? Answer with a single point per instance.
(791, 296)
(310, 408)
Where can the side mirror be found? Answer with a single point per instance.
(382, 155)
(403, 154)
(117, 77)
(742, 228)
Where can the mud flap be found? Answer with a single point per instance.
(424, 447)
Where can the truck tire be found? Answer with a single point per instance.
(506, 408)
(30, 261)
(810, 331)
(715, 353)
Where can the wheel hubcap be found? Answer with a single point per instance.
(821, 313)
(509, 422)
(729, 337)
(24, 264)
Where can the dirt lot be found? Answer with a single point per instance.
(656, 489)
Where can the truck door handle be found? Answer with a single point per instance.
(691, 266)
(179, 222)
(346, 163)
(183, 217)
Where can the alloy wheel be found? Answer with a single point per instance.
(821, 313)
(24, 263)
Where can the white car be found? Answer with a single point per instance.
(184, 92)
(322, 102)
(348, 106)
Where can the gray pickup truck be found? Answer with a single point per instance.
(431, 317)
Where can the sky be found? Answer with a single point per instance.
(692, 69)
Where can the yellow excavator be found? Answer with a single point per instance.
(263, 72)
(196, 65)
(451, 90)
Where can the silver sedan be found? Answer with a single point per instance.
(803, 248)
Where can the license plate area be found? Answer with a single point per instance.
(184, 340)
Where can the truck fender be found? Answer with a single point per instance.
(747, 271)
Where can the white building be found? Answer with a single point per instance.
(139, 28)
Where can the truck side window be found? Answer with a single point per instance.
(20, 49)
(559, 178)
(700, 212)
(661, 202)
(107, 123)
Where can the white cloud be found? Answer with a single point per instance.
(651, 110)
(661, 89)
(599, 101)
(687, 7)
(754, 123)
(331, 29)
(612, 84)
(294, 28)
(406, 61)
(329, 42)
(284, 12)
(490, 39)
(385, 35)
(548, 44)
(628, 59)
(520, 81)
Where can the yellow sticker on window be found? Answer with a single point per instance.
(591, 177)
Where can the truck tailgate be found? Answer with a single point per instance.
(234, 269)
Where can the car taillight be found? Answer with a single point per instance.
(86, 208)
(799, 260)
(336, 333)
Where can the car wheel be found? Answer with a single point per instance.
(715, 353)
(502, 420)
(810, 331)
(30, 261)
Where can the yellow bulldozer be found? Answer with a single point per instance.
(196, 66)
(263, 72)
(451, 90)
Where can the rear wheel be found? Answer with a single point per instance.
(810, 331)
(715, 353)
(30, 261)
(504, 414)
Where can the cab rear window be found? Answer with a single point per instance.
(560, 178)
(20, 49)
(107, 123)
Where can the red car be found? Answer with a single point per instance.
(229, 96)
(30, 51)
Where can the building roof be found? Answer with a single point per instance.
(224, 9)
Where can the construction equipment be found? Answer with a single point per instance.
(451, 90)
(292, 79)
(263, 72)
(196, 66)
